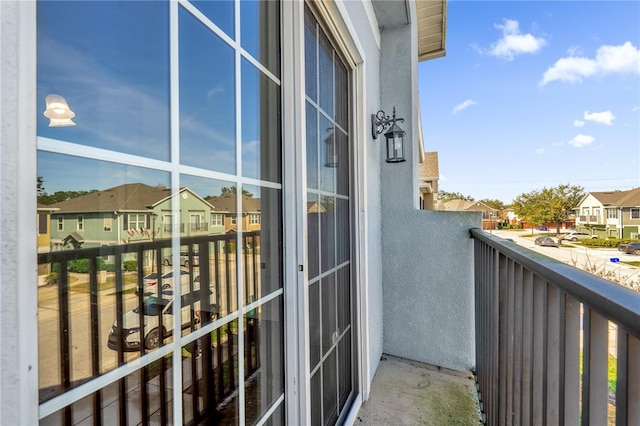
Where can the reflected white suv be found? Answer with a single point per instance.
(575, 236)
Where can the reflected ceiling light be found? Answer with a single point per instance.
(58, 111)
(395, 136)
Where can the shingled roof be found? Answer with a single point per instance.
(630, 198)
(127, 197)
(227, 204)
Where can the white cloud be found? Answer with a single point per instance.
(574, 51)
(621, 59)
(581, 140)
(559, 143)
(578, 123)
(463, 105)
(215, 90)
(513, 42)
(540, 151)
(605, 117)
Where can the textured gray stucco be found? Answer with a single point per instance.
(428, 287)
(18, 301)
(427, 268)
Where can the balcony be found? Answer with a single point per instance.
(553, 345)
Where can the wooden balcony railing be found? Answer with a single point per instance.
(554, 345)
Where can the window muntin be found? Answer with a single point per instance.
(80, 223)
(612, 213)
(217, 219)
(254, 219)
(60, 224)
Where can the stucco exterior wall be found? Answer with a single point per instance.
(18, 300)
(427, 270)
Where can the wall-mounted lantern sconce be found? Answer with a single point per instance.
(395, 136)
(58, 111)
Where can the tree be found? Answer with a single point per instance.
(548, 205)
(445, 196)
(232, 190)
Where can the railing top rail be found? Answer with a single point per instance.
(615, 302)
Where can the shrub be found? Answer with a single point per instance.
(130, 265)
(81, 266)
(601, 242)
(51, 279)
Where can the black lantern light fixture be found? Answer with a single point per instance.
(331, 154)
(395, 136)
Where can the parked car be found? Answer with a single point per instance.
(158, 321)
(546, 241)
(631, 248)
(150, 282)
(542, 228)
(575, 236)
(184, 259)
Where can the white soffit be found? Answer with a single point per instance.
(432, 28)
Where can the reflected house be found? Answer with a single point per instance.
(43, 225)
(226, 207)
(240, 94)
(126, 214)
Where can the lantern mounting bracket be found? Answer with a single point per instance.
(380, 121)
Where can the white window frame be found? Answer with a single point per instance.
(612, 213)
(254, 219)
(107, 224)
(60, 225)
(80, 223)
(217, 219)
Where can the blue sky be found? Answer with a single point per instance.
(535, 94)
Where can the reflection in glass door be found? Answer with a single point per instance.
(331, 326)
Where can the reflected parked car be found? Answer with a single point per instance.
(184, 259)
(575, 236)
(150, 282)
(631, 248)
(546, 241)
(542, 228)
(157, 313)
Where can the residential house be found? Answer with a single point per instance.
(490, 219)
(610, 214)
(225, 207)
(428, 180)
(128, 213)
(43, 224)
(278, 96)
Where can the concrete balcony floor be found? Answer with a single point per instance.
(407, 392)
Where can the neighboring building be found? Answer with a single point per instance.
(43, 225)
(128, 213)
(490, 219)
(429, 175)
(224, 207)
(273, 95)
(611, 214)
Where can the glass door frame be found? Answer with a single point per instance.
(334, 19)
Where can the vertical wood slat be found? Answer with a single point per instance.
(510, 342)
(595, 389)
(517, 355)
(527, 346)
(502, 340)
(572, 362)
(538, 365)
(633, 381)
(555, 311)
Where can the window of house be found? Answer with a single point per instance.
(60, 224)
(107, 222)
(42, 224)
(80, 223)
(612, 213)
(196, 222)
(254, 219)
(635, 213)
(234, 220)
(217, 219)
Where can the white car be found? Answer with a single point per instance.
(158, 321)
(150, 282)
(575, 236)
